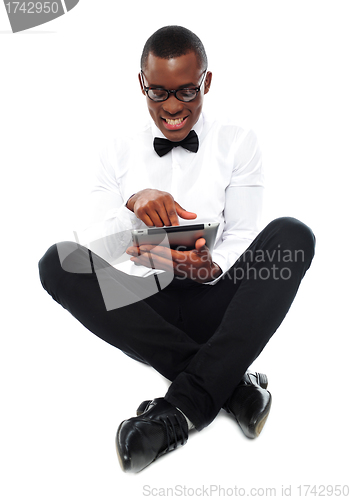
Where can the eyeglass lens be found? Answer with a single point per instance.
(182, 94)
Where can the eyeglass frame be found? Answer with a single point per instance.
(146, 89)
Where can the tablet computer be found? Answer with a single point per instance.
(177, 237)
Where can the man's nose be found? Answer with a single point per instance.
(173, 105)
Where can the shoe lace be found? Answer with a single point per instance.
(170, 431)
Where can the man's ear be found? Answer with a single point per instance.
(208, 81)
(141, 84)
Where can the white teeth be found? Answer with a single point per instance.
(174, 122)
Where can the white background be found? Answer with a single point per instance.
(282, 68)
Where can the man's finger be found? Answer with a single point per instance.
(200, 244)
(163, 251)
(155, 261)
(164, 216)
(146, 219)
(184, 214)
(170, 208)
(155, 218)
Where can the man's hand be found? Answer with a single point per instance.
(195, 264)
(157, 208)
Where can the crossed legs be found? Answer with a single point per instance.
(201, 337)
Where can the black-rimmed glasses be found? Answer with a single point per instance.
(160, 94)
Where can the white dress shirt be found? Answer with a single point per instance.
(222, 182)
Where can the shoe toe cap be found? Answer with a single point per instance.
(138, 444)
(251, 407)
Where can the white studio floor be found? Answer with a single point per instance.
(66, 392)
(280, 68)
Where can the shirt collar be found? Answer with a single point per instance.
(198, 127)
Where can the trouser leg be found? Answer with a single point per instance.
(136, 329)
(269, 274)
(204, 376)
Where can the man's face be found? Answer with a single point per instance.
(174, 74)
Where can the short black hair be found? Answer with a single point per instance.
(174, 41)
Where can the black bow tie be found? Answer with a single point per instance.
(164, 146)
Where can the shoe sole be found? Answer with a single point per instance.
(256, 428)
(260, 425)
(122, 463)
(262, 380)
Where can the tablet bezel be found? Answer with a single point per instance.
(179, 237)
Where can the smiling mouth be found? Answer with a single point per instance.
(174, 124)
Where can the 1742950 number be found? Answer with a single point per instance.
(323, 491)
(32, 7)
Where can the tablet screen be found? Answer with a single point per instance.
(177, 237)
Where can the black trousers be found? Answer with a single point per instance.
(201, 337)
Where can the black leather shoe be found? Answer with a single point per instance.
(141, 440)
(250, 403)
(144, 406)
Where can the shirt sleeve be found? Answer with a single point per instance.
(109, 222)
(243, 202)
